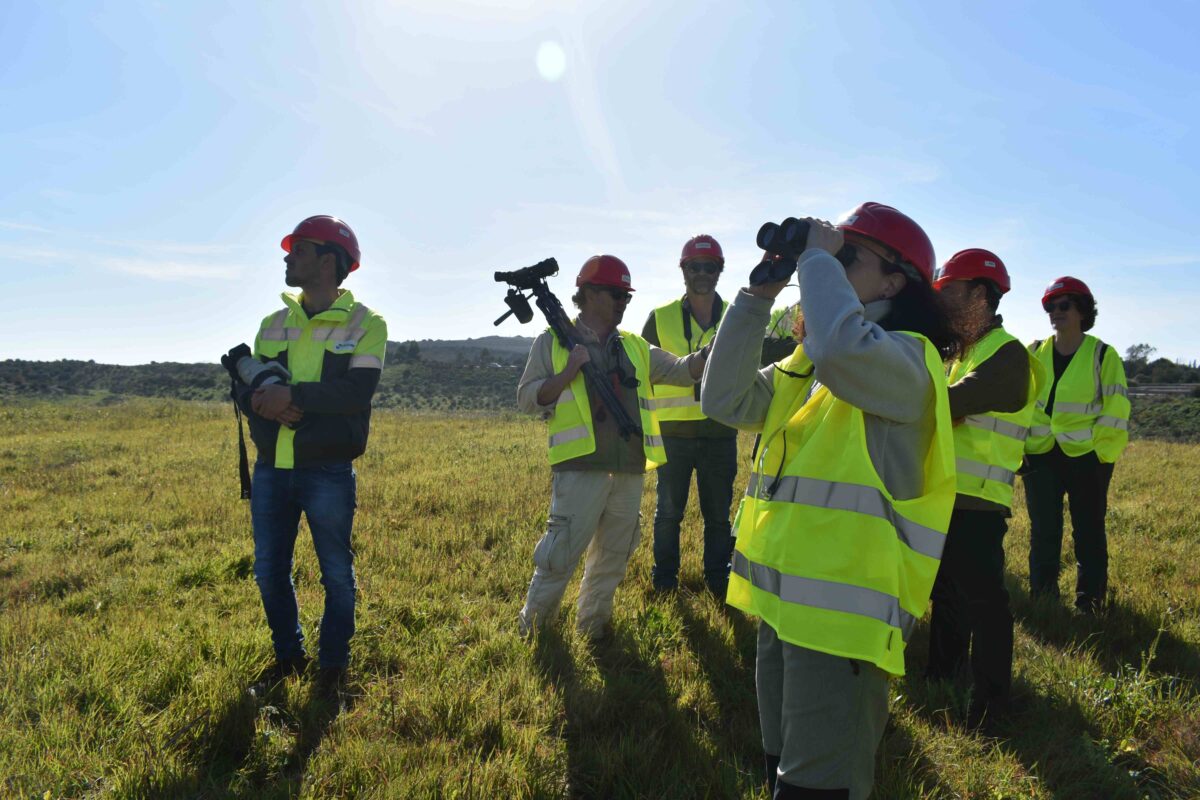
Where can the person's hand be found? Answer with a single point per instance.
(576, 359)
(271, 400)
(767, 290)
(823, 236)
(290, 415)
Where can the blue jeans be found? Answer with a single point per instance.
(715, 464)
(327, 497)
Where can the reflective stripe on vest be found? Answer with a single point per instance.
(829, 595)
(986, 423)
(847, 497)
(989, 446)
(986, 471)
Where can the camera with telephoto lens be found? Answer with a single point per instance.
(244, 367)
(523, 280)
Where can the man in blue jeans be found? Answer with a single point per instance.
(307, 432)
(694, 443)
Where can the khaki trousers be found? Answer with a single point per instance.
(822, 715)
(594, 512)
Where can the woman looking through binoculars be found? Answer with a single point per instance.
(844, 519)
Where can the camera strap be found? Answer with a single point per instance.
(243, 460)
(686, 308)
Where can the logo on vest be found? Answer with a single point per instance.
(344, 347)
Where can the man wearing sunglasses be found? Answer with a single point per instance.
(1080, 427)
(597, 473)
(694, 443)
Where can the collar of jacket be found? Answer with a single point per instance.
(338, 311)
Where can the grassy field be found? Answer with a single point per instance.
(131, 629)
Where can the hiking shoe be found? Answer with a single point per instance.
(331, 680)
(286, 668)
(277, 673)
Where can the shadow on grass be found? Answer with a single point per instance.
(232, 762)
(626, 736)
(902, 770)
(1119, 636)
(1052, 735)
(1057, 741)
(730, 674)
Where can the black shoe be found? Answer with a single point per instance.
(331, 679)
(277, 673)
(1089, 606)
(286, 668)
(985, 716)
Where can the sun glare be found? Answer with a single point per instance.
(551, 61)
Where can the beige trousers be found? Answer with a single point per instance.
(594, 512)
(822, 715)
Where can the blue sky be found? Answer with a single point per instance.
(155, 153)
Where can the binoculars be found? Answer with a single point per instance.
(783, 243)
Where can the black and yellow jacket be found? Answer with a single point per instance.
(335, 359)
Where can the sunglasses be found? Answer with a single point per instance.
(618, 295)
(707, 267)
(1061, 305)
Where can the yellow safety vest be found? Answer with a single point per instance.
(682, 336)
(989, 446)
(825, 555)
(1091, 403)
(572, 432)
(347, 334)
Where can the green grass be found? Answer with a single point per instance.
(130, 631)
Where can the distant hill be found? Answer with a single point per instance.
(499, 349)
(472, 374)
(433, 375)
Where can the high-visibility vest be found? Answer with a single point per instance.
(682, 335)
(572, 432)
(1091, 403)
(347, 335)
(989, 447)
(825, 554)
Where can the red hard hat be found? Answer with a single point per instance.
(605, 271)
(889, 227)
(702, 246)
(1066, 285)
(966, 265)
(327, 230)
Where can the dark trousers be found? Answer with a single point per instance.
(970, 606)
(326, 495)
(1084, 480)
(714, 461)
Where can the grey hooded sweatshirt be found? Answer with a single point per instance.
(882, 373)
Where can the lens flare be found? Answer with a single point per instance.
(551, 61)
